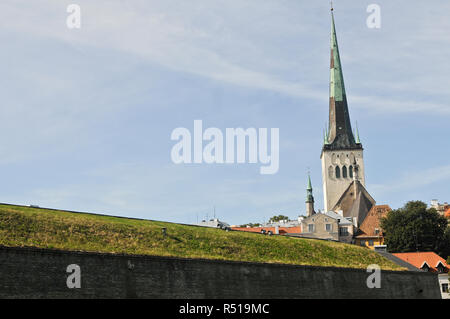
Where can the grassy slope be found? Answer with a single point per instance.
(24, 226)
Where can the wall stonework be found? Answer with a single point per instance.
(41, 273)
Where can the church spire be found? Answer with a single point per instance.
(340, 134)
(357, 140)
(342, 146)
(309, 187)
(309, 198)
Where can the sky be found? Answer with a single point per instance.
(87, 114)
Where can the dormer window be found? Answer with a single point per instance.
(440, 267)
(425, 266)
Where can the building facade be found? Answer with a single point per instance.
(440, 208)
(328, 226)
(370, 234)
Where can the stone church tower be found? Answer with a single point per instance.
(341, 152)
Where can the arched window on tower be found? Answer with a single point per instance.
(330, 171)
(352, 157)
(344, 171)
(338, 172)
(350, 170)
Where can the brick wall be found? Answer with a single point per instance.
(41, 273)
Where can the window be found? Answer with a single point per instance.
(362, 243)
(328, 227)
(311, 228)
(445, 288)
(425, 267)
(377, 231)
(352, 158)
(343, 231)
(350, 169)
(440, 267)
(370, 242)
(344, 171)
(338, 172)
(333, 159)
(330, 171)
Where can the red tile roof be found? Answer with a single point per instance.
(447, 213)
(418, 260)
(372, 222)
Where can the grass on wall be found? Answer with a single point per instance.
(36, 227)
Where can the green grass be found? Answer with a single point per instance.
(26, 226)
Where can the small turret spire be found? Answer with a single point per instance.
(309, 188)
(309, 198)
(325, 136)
(357, 140)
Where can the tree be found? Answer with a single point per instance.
(275, 219)
(414, 227)
(446, 245)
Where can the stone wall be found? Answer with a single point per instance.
(41, 273)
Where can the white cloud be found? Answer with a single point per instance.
(197, 39)
(412, 180)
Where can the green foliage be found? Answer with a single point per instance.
(275, 219)
(416, 228)
(24, 226)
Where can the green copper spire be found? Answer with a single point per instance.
(337, 88)
(325, 135)
(309, 191)
(309, 183)
(357, 134)
(340, 135)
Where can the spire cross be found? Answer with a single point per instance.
(331, 5)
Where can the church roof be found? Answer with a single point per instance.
(372, 222)
(355, 202)
(339, 135)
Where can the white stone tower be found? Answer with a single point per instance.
(341, 150)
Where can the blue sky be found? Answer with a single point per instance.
(87, 113)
